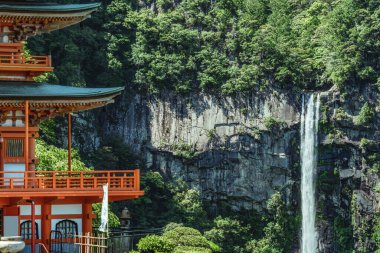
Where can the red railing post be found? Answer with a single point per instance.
(136, 180)
(54, 180)
(49, 63)
(26, 179)
(81, 179)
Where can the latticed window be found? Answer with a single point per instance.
(15, 148)
(68, 228)
(26, 230)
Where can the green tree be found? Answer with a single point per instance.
(280, 230)
(53, 158)
(230, 234)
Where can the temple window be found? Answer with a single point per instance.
(68, 228)
(26, 230)
(14, 148)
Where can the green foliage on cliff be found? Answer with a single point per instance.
(376, 233)
(228, 45)
(343, 235)
(280, 230)
(167, 201)
(365, 116)
(114, 154)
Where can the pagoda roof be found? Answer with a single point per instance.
(38, 91)
(35, 7)
(31, 18)
(48, 100)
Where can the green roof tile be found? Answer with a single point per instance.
(35, 91)
(41, 7)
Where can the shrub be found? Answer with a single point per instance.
(340, 114)
(364, 143)
(377, 189)
(155, 244)
(211, 134)
(376, 233)
(191, 240)
(178, 232)
(271, 123)
(229, 233)
(194, 241)
(184, 150)
(365, 116)
(186, 249)
(171, 226)
(179, 240)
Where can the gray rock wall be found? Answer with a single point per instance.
(242, 149)
(221, 146)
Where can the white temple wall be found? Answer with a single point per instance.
(25, 210)
(11, 167)
(11, 225)
(66, 209)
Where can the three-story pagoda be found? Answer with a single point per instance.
(62, 199)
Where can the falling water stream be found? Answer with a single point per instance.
(309, 148)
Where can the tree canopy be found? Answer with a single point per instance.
(227, 46)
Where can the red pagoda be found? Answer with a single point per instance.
(63, 199)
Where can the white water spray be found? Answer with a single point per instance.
(309, 148)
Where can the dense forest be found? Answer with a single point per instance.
(223, 47)
(227, 46)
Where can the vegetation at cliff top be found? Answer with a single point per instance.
(226, 46)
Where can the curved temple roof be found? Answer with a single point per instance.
(44, 91)
(31, 7)
(42, 17)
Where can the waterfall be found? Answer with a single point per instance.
(309, 148)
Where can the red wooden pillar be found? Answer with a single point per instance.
(32, 147)
(46, 224)
(87, 217)
(26, 146)
(33, 218)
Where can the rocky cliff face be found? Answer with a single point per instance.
(240, 150)
(348, 171)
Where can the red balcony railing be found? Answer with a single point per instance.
(19, 60)
(125, 180)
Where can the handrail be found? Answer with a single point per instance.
(69, 180)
